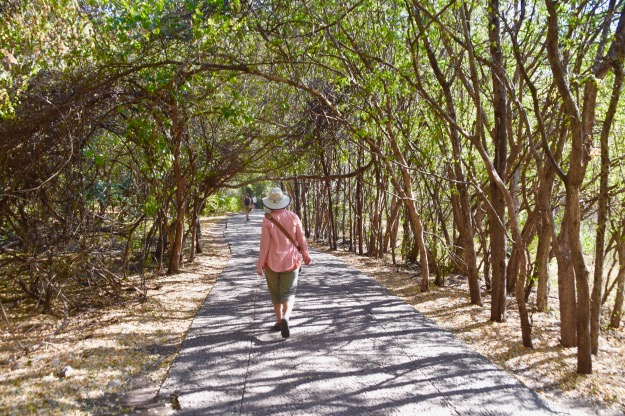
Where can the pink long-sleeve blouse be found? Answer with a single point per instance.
(276, 250)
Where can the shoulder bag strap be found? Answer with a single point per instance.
(281, 228)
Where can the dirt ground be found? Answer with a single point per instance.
(95, 360)
(98, 355)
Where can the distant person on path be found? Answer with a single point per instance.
(247, 201)
(254, 202)
(281, 241)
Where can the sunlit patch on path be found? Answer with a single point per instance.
(354, 349)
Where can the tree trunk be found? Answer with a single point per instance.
(543, 208)
(482, 232)
(581, 127)
(177, 132)
(163, 236)
(195, 224)
(305, 222)
(391, 223)
(376, 217)
(331, 222)
(617, 312)
(178, 228)
(317, 212)
(542, 266)
(416, 225)
(584, 352)
(298, 205)
(359, 212)
(350, 222)
(512, 270)
(458, 244)
(566, 291)
(602, 211)
(500, 137)
(343, 216)
(465, 225)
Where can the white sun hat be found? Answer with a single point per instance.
(276, 199)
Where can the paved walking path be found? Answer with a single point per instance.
(354, 349)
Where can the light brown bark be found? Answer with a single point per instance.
(617, 311)
(602, 210)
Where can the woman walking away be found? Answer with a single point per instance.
(281, 242)
(247, 201)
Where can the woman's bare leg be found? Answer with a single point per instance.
(278, 309)
(287, 308)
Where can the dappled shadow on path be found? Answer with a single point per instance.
(354, 349)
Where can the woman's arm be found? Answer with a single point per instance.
(301, 240)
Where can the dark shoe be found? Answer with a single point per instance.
(284, 328)
(277, 326)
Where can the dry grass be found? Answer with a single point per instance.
(548, 368)
(107, 348)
